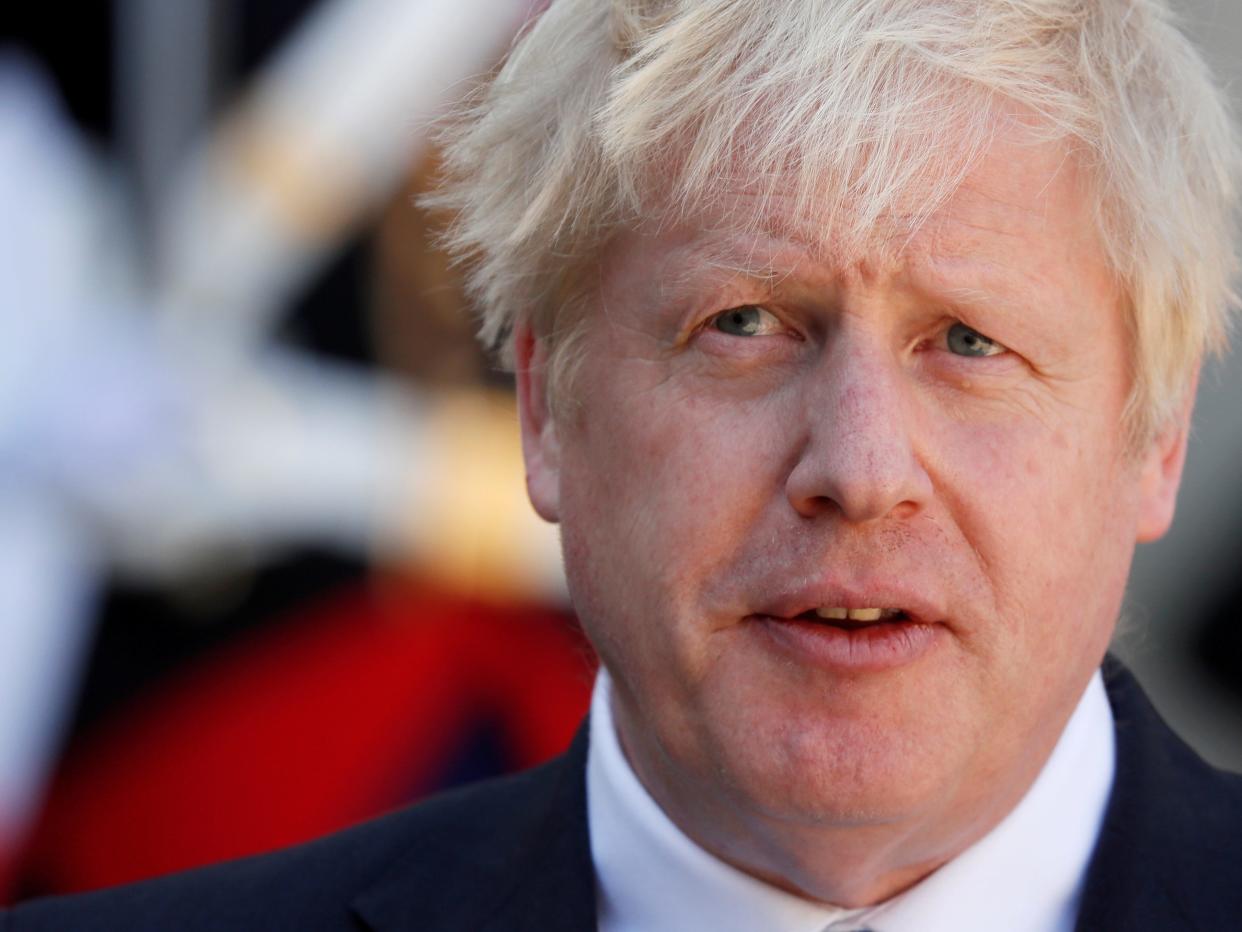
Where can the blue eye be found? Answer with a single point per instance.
(746, 321)
(966, 342)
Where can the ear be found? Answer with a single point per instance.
(540, 447)
(1161, 472)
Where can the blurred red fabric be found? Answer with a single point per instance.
(309, 725)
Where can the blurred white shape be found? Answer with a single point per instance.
(328, 130)
(282, 449)
(58, 254)
(129, 444)
(61, 242)
(47, 589)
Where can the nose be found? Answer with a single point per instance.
(858, 458)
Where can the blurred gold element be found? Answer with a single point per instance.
(469, 524)
(314, 193)
(474, 528)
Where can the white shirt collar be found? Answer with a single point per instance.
(1025, 875)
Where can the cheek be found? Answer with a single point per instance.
(680, 469)
(1046, 509)
(659, 492)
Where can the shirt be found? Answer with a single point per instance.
(1025, 875)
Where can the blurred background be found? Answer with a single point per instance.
(266, 564)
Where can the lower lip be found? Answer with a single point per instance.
(884, 645)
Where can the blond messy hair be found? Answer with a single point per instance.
(610, 114)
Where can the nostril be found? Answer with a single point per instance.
(906, 509)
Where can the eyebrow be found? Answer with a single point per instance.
(723, 258)
(982, 282)
(968, 281)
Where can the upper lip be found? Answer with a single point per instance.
(917, 606)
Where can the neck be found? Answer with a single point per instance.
(850, 861)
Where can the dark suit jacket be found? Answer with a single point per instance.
(513, 854)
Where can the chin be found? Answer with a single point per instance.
(829, 770)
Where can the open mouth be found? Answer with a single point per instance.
(852, 619)
(851, 639)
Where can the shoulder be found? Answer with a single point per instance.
(312, 886)
(1159, 771)
(1170, 849)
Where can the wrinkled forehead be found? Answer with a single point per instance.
(1010, 188)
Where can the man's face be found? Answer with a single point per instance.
(934, 427)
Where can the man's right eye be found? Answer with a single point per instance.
(747, 321)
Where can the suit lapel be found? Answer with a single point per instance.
(535, 873)
(556, 890)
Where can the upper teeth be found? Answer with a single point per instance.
(856, 614)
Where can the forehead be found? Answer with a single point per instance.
(1022, 207)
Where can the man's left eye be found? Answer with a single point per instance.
(963, 341)
(747, 321)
